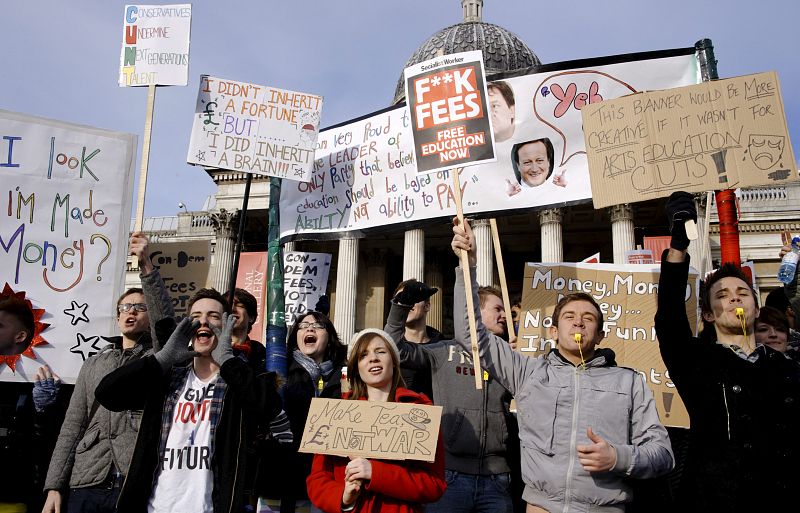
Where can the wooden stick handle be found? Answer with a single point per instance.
(501, 271)
(148, 129)
(464, 257)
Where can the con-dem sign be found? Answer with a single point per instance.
(715, 135)
(627, 295)
(155, 45)
(450, 119)
(368, 429)
(254, 129)
(184, 268)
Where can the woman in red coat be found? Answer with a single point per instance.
(337, 484)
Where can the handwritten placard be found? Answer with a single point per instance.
(305, 279)
(450, 119)
(255, 129)
(184, 268)
(365, 173)
(155, 45)
(715, 135)
(627, 295)
(369, 429)
(65, 203)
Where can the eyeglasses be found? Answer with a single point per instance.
(315, 325)
(127, 307)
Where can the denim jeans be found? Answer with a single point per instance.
(468, 493)
(94, 499)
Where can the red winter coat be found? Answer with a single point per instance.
(396, 486)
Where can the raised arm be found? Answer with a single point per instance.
(159, 304)
(412, 356)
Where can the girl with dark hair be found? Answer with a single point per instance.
(316, 358)
(363, 485)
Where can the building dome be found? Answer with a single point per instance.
(502, 50)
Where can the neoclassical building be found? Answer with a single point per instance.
(365, 271)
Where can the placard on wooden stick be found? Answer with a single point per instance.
(369, 429)
(715, 135)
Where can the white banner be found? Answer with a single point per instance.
(305, 279)
(65, 204)
(255, 129)
(365, 174)
(155, 45)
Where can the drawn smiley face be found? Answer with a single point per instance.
(765, 150)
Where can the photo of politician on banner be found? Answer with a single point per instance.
(450, 119)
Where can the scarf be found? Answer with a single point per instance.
(324, 370)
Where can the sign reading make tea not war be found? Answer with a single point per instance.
(254, 129)
(627, 296)
(305, 280)
(365, 176)
(450, 119)
(65, 203)
(715, 135)
(155, 45)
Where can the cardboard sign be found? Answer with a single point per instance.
(254, 129)
(627, 295)
(305, 279)
(365, 175)
(715, 135)
(184, 268)
(368, 429)
(252, 277)
(155, 45)
(66, 206)
(450, 119)
(640, 256)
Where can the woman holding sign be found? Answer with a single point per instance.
(340, 484)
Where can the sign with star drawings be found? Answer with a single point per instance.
(254, 129)
(450, 115)
(65, 202)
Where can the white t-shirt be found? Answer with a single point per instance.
(184, 481)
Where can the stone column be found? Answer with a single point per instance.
(485, 251)
(621, 230)
(414, 255)
(700, 249)
(552, 245)
(224, 223)
(344, 311)
(372, 298)
(434, 278)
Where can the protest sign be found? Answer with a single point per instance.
(155, 45)
(252, 277)
(305, 279)
(639, 256)
(254, 129)
(368, 429)
(365, 174)
(450, 120)
(66, 202)
(627, 296)
(184, 268)
(722, 134)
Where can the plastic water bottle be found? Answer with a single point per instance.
(789, 263)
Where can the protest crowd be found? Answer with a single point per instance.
(182, 415)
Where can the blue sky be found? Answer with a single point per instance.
(60, 59)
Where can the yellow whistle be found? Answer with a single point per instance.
(485, 376)
(320, 384)
(577, 338)
(740, 312)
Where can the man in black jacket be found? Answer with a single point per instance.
(742, 400)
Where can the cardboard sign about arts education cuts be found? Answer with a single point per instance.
(155, 45)
(450, 118)
(254, 129)
(184, 268)
(382, 430)
(715, 135)
(305, 279)
(627, 296)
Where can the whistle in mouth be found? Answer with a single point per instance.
(740, 312)
(577, 338)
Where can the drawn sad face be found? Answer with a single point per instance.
(765, 150)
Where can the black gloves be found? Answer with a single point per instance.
(413, 293)
(323, 305)
(176, 350)
(680, 207)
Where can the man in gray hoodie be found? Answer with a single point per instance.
(586, 425)
(475, 423)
